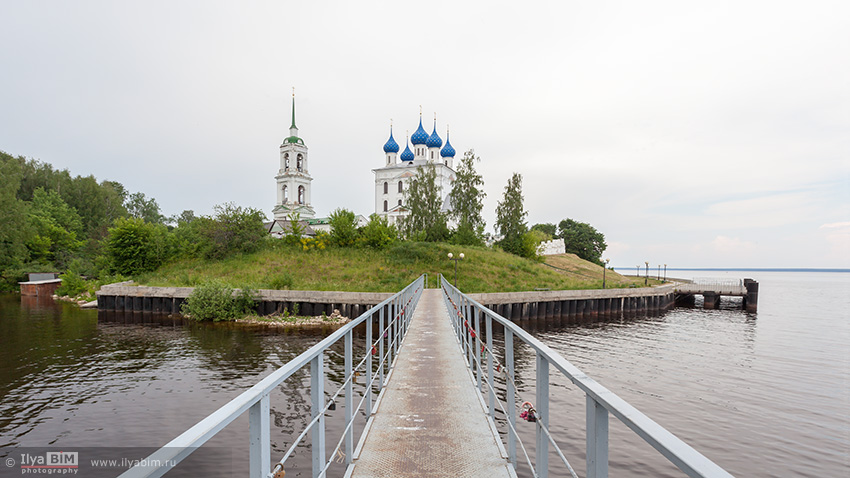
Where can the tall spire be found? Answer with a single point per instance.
(293, 109)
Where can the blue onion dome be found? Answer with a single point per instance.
(407, 155)
(391, 146)
(434, 140)
(420, 136)
(448, 151)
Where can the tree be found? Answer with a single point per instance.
(343, 227)
(510, 220)
(583, 240)
(466, 201)
(14, 227)
(135, 246)
(143, 208)
(378, 233)
(547, 228)
(425, 219)
(234, 230)
(57, 227)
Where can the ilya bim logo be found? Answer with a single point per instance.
(52, 462)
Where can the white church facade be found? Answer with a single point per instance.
(294, 183)
(393, 179)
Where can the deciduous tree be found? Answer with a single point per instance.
(583, 240)
(510, 220)
(425, 219)
(466, 201)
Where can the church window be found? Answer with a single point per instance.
(300, 194)
(386, 187)
(286, 161)
(400, 187)
(385, 206)
(399, 202)
(432, 155)
(285, 198)
(300, 163)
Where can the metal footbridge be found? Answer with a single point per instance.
(427, 348)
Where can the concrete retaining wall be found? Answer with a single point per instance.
(125, 297)
(578, 304)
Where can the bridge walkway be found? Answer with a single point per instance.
(430, 420)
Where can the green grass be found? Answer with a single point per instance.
(368, 270)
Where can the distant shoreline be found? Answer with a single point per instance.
(742, 269)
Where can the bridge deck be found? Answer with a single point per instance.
(430, 421)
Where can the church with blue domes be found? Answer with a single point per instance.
(392, 180)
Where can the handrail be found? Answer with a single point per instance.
(600, 400)
(400, 308)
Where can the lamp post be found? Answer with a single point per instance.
(453, 258)
(646, 279)
(604, 268)
(659, 271)
(665, 272)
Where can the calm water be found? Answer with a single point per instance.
(764, 394)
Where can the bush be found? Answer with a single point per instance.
(215, 301)
(135, 246)
(343, 227)
(281, 281)
(72, 284)
(378, 233)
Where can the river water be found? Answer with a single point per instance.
(764, 394)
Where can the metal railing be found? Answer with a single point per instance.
(392, 329)
(466, 315)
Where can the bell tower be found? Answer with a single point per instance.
(293, 177)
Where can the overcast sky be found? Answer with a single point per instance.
(696, 134)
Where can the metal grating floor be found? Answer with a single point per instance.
(430, 421)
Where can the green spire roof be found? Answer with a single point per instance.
(293, 111)
(294, 139)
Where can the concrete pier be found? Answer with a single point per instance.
(430, 420)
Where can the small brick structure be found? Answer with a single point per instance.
(40, 288)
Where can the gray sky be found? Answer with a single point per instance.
(710, 134)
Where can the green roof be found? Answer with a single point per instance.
(294, 140)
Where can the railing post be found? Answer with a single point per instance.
(488, 327)
(542, 449)
(369, 341)
(349, 398)
(511, 395)
(381, 348)
(597, 439)
(391, 321)
(470, 342)
(476, 351)
(259, 455)
(317, 402)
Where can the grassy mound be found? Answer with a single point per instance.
(366, 270)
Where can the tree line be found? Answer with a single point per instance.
(53, 221)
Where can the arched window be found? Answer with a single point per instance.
(300, 194)
(300, 163)
(286, 161)
(399, 202)
(285, 194)
(386, 187)
(385, 206)
(432, 155)
(400, 187)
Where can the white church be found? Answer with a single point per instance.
(391, 180)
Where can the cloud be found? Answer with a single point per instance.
(836, 225)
